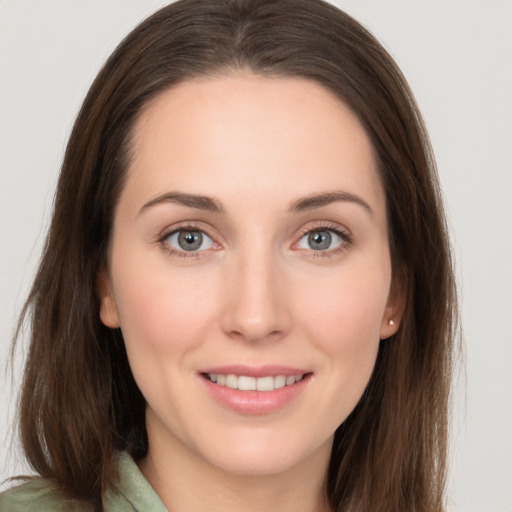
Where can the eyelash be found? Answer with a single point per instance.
(346, 237)
(162, 240)
(347, 240)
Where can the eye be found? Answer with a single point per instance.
(322, 240)
(189, 240)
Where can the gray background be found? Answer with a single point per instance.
(457, 55)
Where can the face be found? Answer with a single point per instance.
(249, 270)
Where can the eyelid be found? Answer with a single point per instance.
(169, 231)
(341, 231)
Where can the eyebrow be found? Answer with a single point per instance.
(191, 200)
(325, 198)
(302, 204)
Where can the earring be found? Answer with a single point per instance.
(391, 322)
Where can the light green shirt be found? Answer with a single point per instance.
(132, 493)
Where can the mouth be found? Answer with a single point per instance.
(255, 390)
(249, 383)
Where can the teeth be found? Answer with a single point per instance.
(232, 381)
(265, 384)
(280, 381)
(246, 383)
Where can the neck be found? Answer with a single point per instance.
(185, 482)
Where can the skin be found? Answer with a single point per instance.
(256, 292)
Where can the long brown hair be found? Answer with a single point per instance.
(79, 401)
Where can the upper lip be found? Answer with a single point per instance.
(255, 371)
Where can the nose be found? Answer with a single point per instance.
(256, 307)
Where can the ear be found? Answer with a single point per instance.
(394, 309)
(108, 308)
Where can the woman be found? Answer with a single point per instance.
(246, 296)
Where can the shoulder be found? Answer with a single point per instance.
(129, 491)
(39, 495)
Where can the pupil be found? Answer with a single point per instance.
(319, 240)
(190, 240)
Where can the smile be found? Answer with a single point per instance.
(248, 383)
(255, 390)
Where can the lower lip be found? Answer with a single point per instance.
(255, 402)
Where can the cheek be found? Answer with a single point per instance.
(164, 317)
(346, 311)
(342, 319)
(162, 311)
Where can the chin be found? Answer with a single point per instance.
(268, 456)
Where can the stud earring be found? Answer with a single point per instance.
(391, 322)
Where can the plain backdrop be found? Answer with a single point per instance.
(457, 56)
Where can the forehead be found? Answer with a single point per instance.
(251, 136)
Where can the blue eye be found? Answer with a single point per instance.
(189, 240)
(321, 240)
